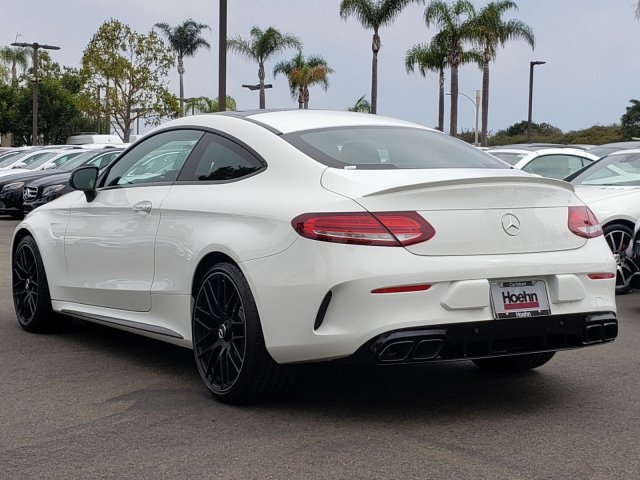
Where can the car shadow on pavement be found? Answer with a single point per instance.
(340, 389)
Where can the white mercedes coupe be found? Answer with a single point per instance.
(270, 238)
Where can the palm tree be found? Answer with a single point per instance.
(455, 29)
(303, 73)
(261, 46)
(373, 14)
(208, 105)
(638, 10)
(15, 57)
(431, 57)
(492, 31)
(362, 105)
(185, 40)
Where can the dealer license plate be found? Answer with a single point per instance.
(519, 299)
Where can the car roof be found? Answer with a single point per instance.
(625, 151)
(288, 121)
(535, 146)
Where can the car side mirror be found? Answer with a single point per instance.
(84, 179)
(19, 165)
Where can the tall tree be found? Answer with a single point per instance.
(430, 57)
(490, 32)
(373, 14)
(630, 121)
(209, 105)
(260, 47)
(638, 10)
(453, 20)
(14, 57)
(303, 73)
(185, 40)
(132, 69)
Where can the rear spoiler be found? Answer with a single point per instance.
(498, 181)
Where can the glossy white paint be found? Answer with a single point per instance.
(110, 248)
(105, 261)
(611, 204)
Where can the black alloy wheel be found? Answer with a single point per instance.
(228, 344)
(31, 297)
(619, 237)
(219, 331)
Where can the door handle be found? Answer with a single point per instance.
(142, 208)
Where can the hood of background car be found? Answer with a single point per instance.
(51, 180)
(25, 176)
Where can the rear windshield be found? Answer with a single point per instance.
(370, 148)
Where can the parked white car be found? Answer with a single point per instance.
(276, 238)
(37, 160)
(547, 162)
(611, 188)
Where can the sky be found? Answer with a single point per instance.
(590, 47)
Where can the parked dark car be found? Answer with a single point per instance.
(11, 186)
(45, 189)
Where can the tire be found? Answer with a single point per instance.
(17, 215)
(31, 298)
(618, 237)
(515, 363)
(228, 344)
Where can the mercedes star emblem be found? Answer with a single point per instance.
(511, 224)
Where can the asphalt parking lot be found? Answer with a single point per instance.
(98, 403)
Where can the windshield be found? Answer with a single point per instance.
(88, 158)
(12, 158)
(614, 170)
(39, 159)
(373, 148)
(509, 157)
(63, 159)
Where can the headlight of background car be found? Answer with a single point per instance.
(12, 186)
(51, 190)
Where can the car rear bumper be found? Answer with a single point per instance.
(316, 299)
(473, 340)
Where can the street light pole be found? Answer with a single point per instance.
(476, 105)
(531, 65)
(478, 99)
(35, 47)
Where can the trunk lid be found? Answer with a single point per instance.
(474, 211)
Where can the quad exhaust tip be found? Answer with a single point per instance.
(416, 350)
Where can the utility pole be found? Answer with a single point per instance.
(35, 47)
(222, 65)
(531, 65)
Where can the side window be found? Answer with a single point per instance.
(220, 159)
(157, 159)
(554, 166)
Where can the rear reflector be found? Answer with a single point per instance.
(601, 276)
(402, 289)
(583, 223)
(391, 229)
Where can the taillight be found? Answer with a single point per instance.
(583, 222)
(391, 229)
